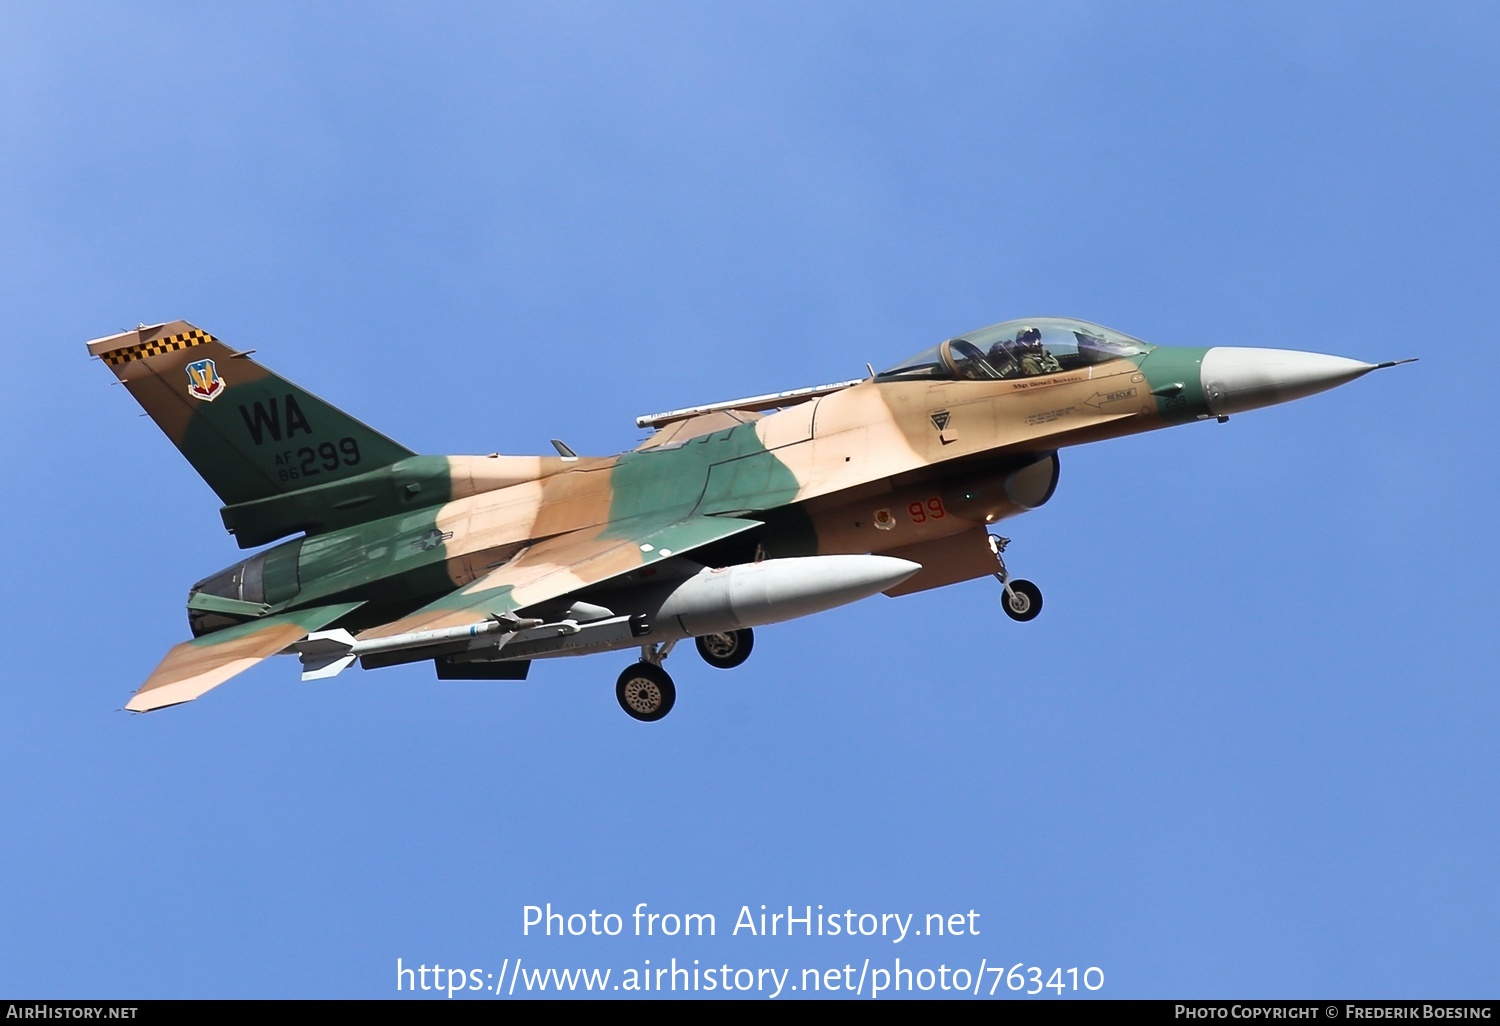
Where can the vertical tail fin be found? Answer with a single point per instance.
(247, 432)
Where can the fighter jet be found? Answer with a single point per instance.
(730, 516)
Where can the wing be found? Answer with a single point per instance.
(564, 564)
(194, 667)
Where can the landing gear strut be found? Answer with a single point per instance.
(1021, 599)
(644, 690)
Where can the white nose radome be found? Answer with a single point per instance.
(1236, 380)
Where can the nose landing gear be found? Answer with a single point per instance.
(1021, 599)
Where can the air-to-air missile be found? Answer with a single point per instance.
(730, 516)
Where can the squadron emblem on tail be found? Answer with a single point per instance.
(204, 381)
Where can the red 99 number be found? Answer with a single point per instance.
(933, 509)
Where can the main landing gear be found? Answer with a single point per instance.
(1021, 599)
(646, 692)
(726, 651)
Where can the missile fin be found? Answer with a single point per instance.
(325, 654)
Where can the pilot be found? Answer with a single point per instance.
(1034, 356)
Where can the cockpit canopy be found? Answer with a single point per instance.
(1018, 349)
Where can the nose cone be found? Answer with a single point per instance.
(1236, 380)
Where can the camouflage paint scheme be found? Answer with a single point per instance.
(395, 542)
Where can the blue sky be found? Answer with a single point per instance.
(1248, 749)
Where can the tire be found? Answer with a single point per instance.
(645, 692)
(1022, 602)
(726, 651)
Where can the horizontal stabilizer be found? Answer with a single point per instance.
(196, 666)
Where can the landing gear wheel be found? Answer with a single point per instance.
(726, 651)
(1021, 601)
(646, 692)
